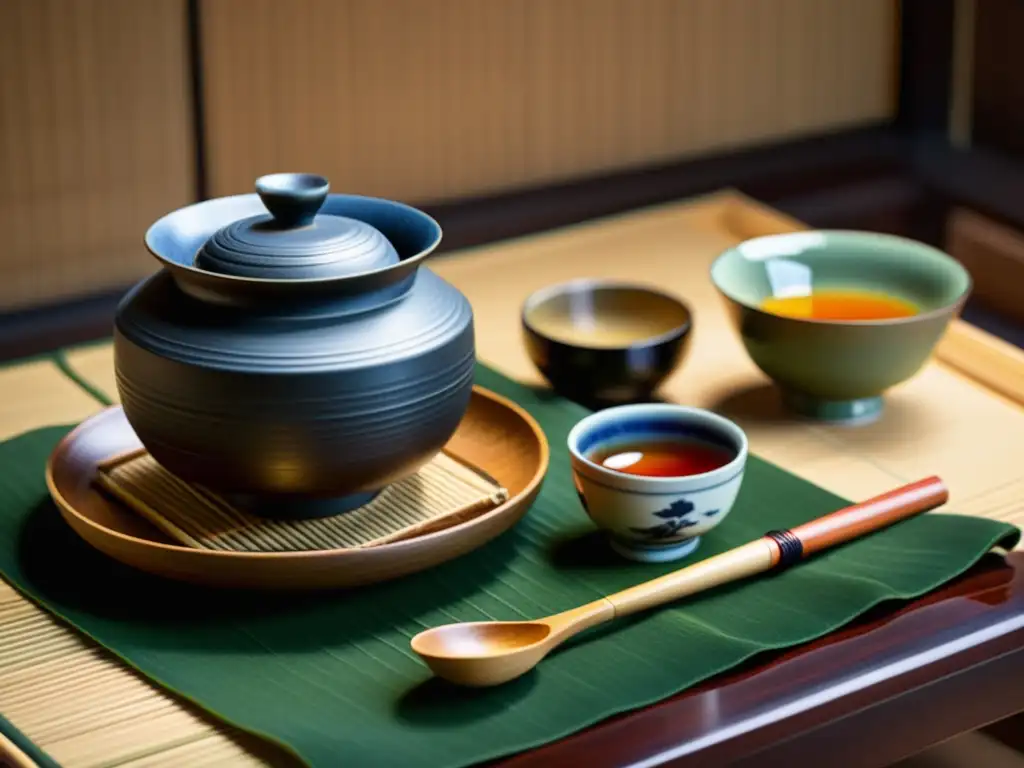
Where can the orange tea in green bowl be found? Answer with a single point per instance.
(840, 305)
(836, 318)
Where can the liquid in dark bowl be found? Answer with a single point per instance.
(603, 343)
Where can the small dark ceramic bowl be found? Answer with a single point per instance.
(605, 343)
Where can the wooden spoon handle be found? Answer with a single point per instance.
(733, 565)
(779, 549)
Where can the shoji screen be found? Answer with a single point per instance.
(95, 141)
(432, 99)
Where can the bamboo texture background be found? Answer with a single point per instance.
(95, 141)
(414, 99)
(450, 98)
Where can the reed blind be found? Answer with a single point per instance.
(95, 141)
(435, 99)
(421, 100)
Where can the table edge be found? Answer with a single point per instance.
(921, 628)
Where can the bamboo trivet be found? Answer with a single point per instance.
(949, 420)
(443, 493)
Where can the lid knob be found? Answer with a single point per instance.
(293, 199)
(304, 238)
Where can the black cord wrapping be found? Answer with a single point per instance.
(791, 550)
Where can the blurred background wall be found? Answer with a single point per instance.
(106, 123)
(428, 99)
(95, 140)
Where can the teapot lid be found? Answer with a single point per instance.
(295, 242)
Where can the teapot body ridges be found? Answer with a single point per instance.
(277, 386)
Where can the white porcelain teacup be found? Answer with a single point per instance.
(655, 518)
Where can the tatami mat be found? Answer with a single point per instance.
(37, 394)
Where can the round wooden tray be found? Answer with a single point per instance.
(495, 435)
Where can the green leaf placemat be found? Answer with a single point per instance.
(333, 679)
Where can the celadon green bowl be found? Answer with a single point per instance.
(838, 370)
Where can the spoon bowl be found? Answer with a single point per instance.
(486, 652)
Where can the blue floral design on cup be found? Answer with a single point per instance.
(676, 518)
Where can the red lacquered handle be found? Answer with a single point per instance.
(859, 519)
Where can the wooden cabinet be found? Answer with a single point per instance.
(998, 90)
(994, 255)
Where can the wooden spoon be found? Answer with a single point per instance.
(492, 652)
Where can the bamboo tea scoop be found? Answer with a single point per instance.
(493, 652)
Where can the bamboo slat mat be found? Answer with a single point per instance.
(38, 393)
(442, 493)
(960, 418)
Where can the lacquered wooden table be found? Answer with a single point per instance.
(879, 691)
(894, 683)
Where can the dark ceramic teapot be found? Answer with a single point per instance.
(298, 361)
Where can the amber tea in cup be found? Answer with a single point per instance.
(677, 456)
(840, 305)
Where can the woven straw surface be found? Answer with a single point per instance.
(443, 492)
